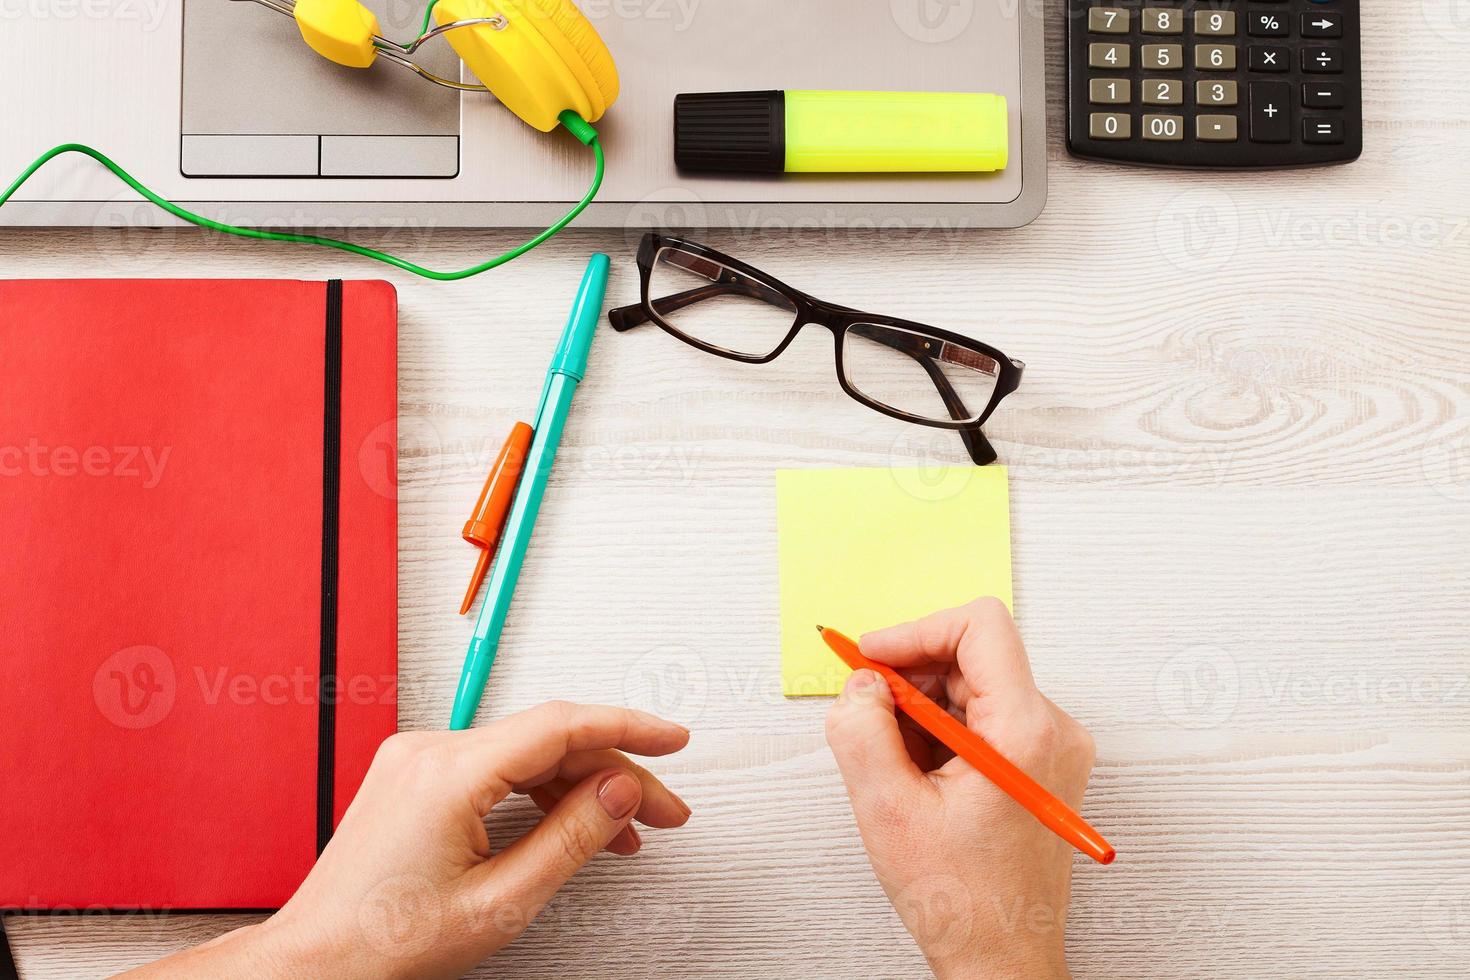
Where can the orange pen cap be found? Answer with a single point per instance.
(484, 526)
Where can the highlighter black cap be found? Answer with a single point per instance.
(731, 132)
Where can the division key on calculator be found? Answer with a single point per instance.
(1247, 84)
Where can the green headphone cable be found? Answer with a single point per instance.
(574, 123)
(428, 15)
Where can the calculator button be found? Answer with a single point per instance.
(1220, 92)
(1169, 129)
(1107, 20)
(1214, 23)
(1269, 57)
(1163, 20)
(1322, 60)
(1266, 23)
(1109, 91)
(1216, 129)
(1322, 23)
(1163, 91)
(1320, 129)
(1109, 126)
(1214, 57)
(1163, 57)
(1107, 56)
(1323, 95)
(1270, 112)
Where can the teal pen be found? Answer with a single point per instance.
(568, 368)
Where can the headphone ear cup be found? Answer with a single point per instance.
(338, 30)
(546, 60)
(583, 49)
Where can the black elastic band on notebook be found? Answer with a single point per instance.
(326, 718)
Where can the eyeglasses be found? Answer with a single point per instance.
(905, 370)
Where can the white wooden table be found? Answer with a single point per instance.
(1240, 470)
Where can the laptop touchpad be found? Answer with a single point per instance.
(257, 102)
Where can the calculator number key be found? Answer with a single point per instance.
(1222, 92)
(1266, 23)
(1163, 91)
(1109, 126)
(1214, 23)
(1109, 91)
(1107, 56)
(1163, 20)
(1169, 129)
(1163, 57)
(1214, 57)
(1107, 20)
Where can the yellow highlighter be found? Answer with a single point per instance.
(794, 131)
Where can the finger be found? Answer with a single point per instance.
(548, 795)
(930, 679)
(870, 751)
(661, 807)
(980, 637)
(525, 875)
(919, 744)
(516, 749)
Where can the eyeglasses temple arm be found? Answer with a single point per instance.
(975, 442)
(628, 317)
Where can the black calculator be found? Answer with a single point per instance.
(1215, 83)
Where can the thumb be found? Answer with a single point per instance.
(530, 871)
(863, 732)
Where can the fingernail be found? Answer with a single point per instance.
(682, 805)
(863, 679)
(619, 793)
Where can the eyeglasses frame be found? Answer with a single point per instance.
(809, 310)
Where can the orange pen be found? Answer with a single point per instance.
(488, 520)
(1057, 817)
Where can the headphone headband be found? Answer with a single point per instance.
(539, 58)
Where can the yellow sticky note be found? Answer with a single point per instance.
(861, 549)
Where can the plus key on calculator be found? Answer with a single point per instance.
(1247, 84)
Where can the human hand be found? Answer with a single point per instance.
(408, 886)
(980, 884)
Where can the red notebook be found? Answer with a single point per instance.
(197, 584)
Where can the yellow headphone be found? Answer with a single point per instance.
(540, 58)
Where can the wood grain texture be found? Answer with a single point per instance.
(1240, 468)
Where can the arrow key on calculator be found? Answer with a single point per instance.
(1322, 23)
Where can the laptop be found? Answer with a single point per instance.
(219, 105)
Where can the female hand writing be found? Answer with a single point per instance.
(979, 882)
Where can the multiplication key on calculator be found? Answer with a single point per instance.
(1249, 84)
